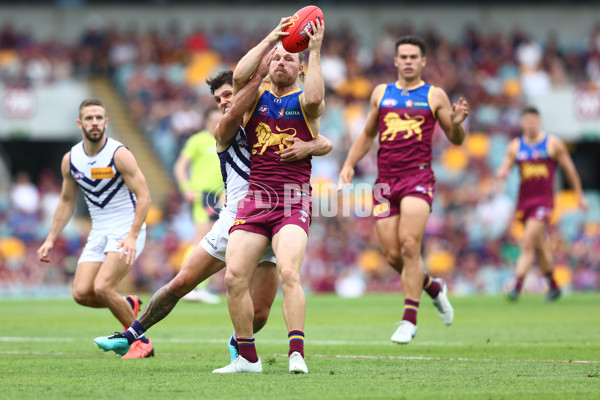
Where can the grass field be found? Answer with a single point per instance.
(494, 350)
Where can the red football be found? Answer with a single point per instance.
(297, 40)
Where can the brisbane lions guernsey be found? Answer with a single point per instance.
(537, 171)
(108, 198)
(272, 121)
(406, 125)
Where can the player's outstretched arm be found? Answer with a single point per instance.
(64, 210)
(136, 182)
(300, 149)
(313, 99)
(449, 116)
(364, 141)
(247, 66)
(508, 161)
(561, 154)
(242, 102)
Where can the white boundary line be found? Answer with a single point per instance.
(418, 343)
(345, 357)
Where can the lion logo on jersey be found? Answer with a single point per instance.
(396, 124)
(531, 170)
(267, 138)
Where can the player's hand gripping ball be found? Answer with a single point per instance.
(297, 40)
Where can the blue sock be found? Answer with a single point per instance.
(130, 302)
(135, 332)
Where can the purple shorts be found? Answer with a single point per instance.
(536, 208)
(389, 192)
(268, 217)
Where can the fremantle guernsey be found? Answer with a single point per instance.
(537, 171)
(235, 168)
(406, 125)
(108, 198)
(272, 121)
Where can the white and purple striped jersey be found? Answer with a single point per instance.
(235, 168)
(108, 198)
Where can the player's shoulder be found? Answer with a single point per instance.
(438, 92)
(378, 92)
(66, 158)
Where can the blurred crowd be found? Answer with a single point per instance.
(472, 239)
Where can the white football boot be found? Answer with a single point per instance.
(405, 333)
(441, 302)
(240, 365)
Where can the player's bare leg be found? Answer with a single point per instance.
(112, 271)
(533, 229)
(289, 245)
(244, 251)
(263, 289)
(83, 285)
(545, 261)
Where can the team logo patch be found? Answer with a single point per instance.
(303, 216)
(264, 110)
(103, 173)
(292, 113)
(306, 25)
(420, 189)
(389, 102)
(78, 175)
(380, 209)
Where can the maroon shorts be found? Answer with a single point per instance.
(389, 192)
(536, 208)
(267, 218)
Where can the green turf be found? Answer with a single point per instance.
(494, 350)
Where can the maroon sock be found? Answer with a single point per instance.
(519, 284)
(247, 349)
(431, 286)
(410, 311)
(551, 281)
(296, 339)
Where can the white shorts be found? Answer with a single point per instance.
(215, 241)
(105, 241)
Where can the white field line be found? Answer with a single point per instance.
(345, 357)
(312, 342)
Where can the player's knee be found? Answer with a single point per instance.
(101, 291)
(82, 297)
(527, 245)
(180, 286)
(409, 248)
(233, 282)
(289, 277)
(394, 258)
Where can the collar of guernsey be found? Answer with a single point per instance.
(273, 120)
(406, 124)
(109, 200)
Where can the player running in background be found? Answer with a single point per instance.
(537, 153)
(209, 257)
(118, 200)
(277, 208)
(404, 114)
